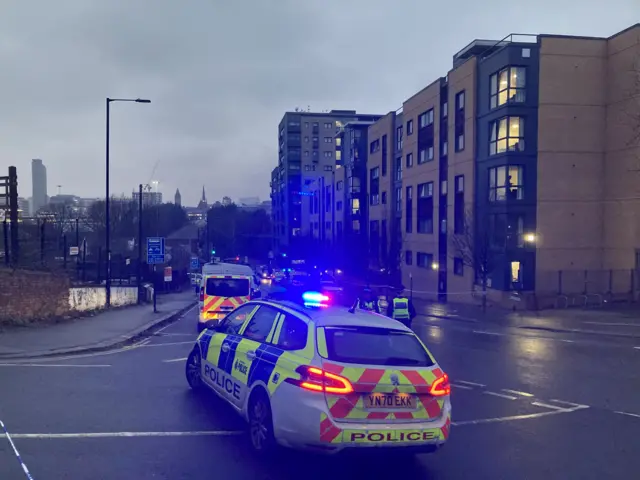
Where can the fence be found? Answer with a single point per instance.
(63, 246)
(588, 287)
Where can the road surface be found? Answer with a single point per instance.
(527, 405)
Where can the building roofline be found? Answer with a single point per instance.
(437, 80)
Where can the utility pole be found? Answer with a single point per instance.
(13, 212)
(139, 273)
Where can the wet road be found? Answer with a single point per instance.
(526, 405)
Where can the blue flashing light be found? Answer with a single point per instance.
(314, 299)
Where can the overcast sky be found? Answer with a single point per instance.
(220, 74)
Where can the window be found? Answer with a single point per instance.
(306, 139)
(506, 183)
(425, 155)
(425, 119)
(459, 121)
(409, 210)
(507, 135)
(506, 230)
(459, 183)
(398, 169)
(316, 124)
(458, 267)
(526, 52)
(516, 272)
(328, 139)
(233, 322)
(384, 198)
(443, 187)
(327, 125)
(293, 334)
(445, 148)
(339, 206)
(424, 260)
(374, 146)
(384, 155)
(328, 154)
(260, 324)
(399, 199)
(409, 160)
(409, 127)
(339, 185)
(508, 86)
(227, 287)
(399, 138)
(408, 257)
(374, 185)
(306, 124)
(315, 140)
(425, 207)
(375, 346)
(327, 168)
(306, 153)
(445, 110)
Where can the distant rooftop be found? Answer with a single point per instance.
(483, 48)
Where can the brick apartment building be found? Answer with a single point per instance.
(531, 144)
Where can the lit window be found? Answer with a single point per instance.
(338, 155)
(507, 134)
(516, 271)
(506, 183)
(508, 86)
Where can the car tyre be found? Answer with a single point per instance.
(261, 423)
(193, 370)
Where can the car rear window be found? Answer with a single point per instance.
(375, 346)
(228, 287)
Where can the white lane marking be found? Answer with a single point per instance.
(629, 414)
(166, 344)
(473, 384)
(517, 392)
(567, 341)
(179, 335)
(501, 395)
(637, 348)
(464, 387)
(175, 360)
(564, 402)
(50, 365)
(487, 333)
(516, 417)
(615, 324)
(15, 451)
(546, 405)
(204, 433)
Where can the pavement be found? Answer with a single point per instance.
(101, 331)
(615, 320)
(527, 404)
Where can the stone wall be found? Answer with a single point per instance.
(26, 296)
(29, 296)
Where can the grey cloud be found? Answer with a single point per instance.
(220, 75)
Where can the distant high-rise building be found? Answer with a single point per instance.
(149, 199)
(178, 198)
(39, 184)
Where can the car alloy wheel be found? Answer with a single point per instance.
(194, 369)
(260, 424)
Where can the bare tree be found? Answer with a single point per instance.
(472, 244)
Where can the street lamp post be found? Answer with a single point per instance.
(107, 199)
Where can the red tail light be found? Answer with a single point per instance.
(317, 380)
(202, 294)
(441, 386)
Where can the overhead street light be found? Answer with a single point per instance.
(107, 199)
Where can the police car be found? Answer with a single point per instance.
(324, 378)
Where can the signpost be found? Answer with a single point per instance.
(168, 274)
(74, 251)
(195, 263)
(155, 250)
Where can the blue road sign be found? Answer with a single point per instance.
(195, 263)
(155, 250)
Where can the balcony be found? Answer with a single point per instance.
(294, 127)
